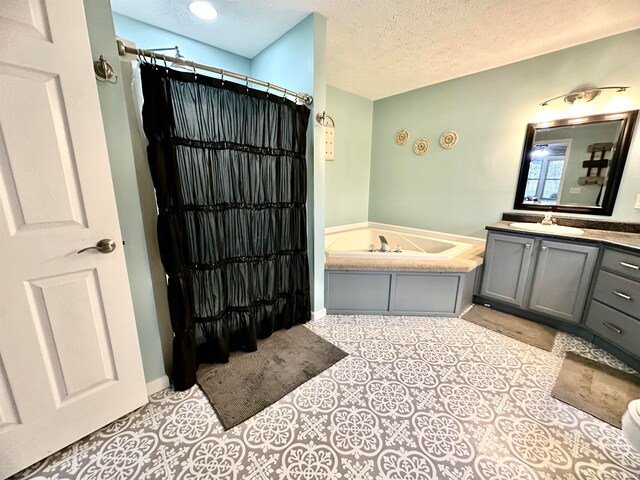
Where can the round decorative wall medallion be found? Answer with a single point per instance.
(402, 136)
(448, 139)
(421, 146)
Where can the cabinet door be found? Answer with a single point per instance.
(506, 266)
(561, 281)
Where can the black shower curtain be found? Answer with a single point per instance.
(229, 169)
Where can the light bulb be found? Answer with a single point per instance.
(620, 102)
(203, 9)
(545, 114)
(579, 108)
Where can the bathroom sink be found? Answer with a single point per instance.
(538, 227)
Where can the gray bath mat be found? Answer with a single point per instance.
(526, 331)
(595, 388)
(250, 382)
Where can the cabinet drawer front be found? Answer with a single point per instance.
(618, 328)
(624, 263)
(618, 292)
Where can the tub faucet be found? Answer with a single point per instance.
(548, 219)
(384, 246)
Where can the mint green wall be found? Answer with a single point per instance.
(116, 127)
(317, 206)
(467, 187)
(297, 61)
(347, 177)
(149, 36)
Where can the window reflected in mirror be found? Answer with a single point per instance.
(546, 169)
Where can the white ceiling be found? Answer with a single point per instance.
(379, 48)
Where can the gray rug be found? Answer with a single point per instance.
(595, 388)
(250, 382)
(526, 331)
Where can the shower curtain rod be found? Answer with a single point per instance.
(124, 49)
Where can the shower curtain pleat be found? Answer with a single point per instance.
(229, 169)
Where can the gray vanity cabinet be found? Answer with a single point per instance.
(614, 313)
(542, 276)
(561, 279)
(506, 265)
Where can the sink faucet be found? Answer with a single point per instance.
(548, 219)
(384, 246)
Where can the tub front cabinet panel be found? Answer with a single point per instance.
(398, 293)
(561, 280)
(426, 293)
(507, 261)
(364, 292)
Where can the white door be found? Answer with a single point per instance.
(69, 354)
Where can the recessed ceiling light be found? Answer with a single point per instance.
(203, 9)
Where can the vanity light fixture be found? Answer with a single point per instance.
(583, 96)
(203, 9)
(579, 103)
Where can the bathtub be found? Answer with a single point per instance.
(355, 243)
(434, 275)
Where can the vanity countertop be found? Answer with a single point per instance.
(624, 240)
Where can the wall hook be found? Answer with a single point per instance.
(323, 119)
(104, 72)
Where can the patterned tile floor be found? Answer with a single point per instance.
(417, 399)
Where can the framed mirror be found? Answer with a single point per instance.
(574, 165)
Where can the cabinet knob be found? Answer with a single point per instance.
(527, 245)
(544, 249)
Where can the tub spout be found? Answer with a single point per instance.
(384, 246)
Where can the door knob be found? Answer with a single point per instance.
(106, 245)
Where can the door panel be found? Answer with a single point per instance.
(27, 17)
(8, 411)
(507, 261)
(33, 170)
(69, 353)
(67, 308)
(562, 278)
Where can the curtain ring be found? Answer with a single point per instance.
(164, 59)
(141, 58)
(222, 76)
(246, 83)
(268, 87)
(195, 72)
(284, 95)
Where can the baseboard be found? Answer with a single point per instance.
(319, 314)
(154, 386)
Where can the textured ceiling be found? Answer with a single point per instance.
(379, 48)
